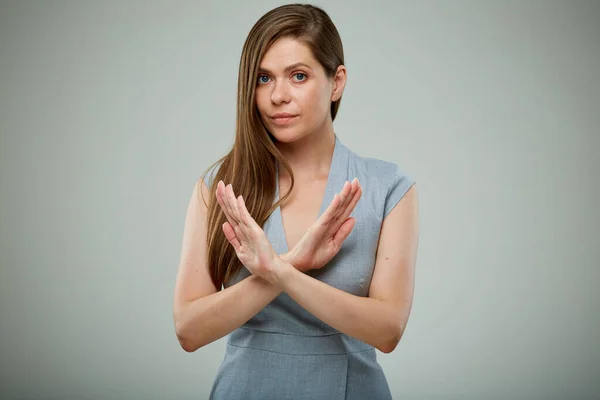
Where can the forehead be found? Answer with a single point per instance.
(287, 51)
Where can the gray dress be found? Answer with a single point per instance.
(284, 352)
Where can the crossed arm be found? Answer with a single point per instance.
(379, 319)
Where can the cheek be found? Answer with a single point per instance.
(316, 103)
(259, 98)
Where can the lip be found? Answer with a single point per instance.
(283, 120)
(282, 115)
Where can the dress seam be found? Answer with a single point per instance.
(303, 354)
(291, 334)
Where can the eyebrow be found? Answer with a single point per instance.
(288, 68)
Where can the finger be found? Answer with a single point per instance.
(223, 196)
(232, 203)
(239, 227)
(343, 232)
(241, 233)
(245, 217)
(223, 203)
(231, 236)
(330, 211)
(352, 204)
(346, 195)
(350, 207)
(352, 186)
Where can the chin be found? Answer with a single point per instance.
(286, 136)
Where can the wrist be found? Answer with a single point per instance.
(288, 257)
(281, 272)
(285, 257)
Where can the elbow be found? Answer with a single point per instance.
(185, 339)
(388, 346)
(189, 348)
(390, 341)
(186, 344)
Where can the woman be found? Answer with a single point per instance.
(307, 285)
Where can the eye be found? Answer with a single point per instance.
(260, 79)
(300, 74)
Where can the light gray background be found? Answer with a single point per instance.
(110, 111)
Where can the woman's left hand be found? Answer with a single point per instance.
(248, 239)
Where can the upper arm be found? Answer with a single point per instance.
(193, 278)
(393, 277)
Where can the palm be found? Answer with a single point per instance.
(250, 242)
(320, 244)
(256, 252)
(315, 249)
(324, 239)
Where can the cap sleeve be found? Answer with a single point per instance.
(399, 184)
(210, 174)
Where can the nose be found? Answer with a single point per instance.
(280, 93)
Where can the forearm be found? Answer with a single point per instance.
(370, 320)
(204, 320)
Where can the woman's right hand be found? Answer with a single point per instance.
(324, 239)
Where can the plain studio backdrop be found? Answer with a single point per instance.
(111, 110)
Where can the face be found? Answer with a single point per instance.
(291, 81)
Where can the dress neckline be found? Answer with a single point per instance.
(330, 189)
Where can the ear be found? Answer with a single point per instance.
(339, 82)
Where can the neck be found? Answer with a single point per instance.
(309, 157)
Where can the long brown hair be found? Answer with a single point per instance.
(250, 164)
